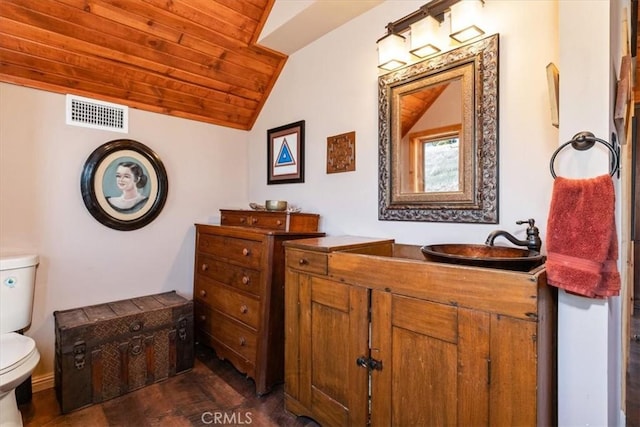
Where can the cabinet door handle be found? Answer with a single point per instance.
(369, 363)
(362, 362)
(244, 309)
(203, 293)
(245, 280)
(242, 341)
(303, 261)
(203, 317)
(204, 267)
(246, 252)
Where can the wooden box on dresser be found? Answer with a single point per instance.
(376, 335)
(239, 288)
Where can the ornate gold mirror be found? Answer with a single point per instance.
(438, 145)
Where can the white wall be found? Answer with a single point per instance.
(81, 261)
(332, 85)
(589, 341)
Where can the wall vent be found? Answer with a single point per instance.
(95, 114)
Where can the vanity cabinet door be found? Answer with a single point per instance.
(444, 365)
(327, 331)
(416, 342)
(513, 391)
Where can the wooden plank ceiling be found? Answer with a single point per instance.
(416, 104)
(195, 59)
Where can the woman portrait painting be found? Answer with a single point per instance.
(128, 192)
(124, 184)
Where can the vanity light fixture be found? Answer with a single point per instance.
(464, 15)
(392, 52)
(422, 37)
(423, 27)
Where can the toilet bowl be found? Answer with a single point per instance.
(18, 353)
(18, 358)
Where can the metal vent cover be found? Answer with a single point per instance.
(91, 113)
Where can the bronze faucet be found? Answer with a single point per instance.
(533, 242)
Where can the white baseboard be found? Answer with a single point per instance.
(42, 382)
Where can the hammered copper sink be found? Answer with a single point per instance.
(500, 257)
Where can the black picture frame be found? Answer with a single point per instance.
(285, 154)
(118, 167)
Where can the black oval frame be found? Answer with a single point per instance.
(89, 175)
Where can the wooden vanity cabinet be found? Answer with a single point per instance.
(443, 345)
(238, 297)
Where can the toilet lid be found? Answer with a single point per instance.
(14, 348)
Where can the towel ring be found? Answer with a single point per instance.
(583, 141)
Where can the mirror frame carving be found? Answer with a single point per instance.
(429, 207)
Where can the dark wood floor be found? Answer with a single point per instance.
(212, 391)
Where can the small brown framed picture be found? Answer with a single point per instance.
(341, 153)
(285, 154)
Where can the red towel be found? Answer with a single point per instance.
(582, 244)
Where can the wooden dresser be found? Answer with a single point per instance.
(239, 288)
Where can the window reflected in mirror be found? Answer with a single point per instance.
(433, 161)
(441, 158)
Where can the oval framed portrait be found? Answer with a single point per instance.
(124, 184)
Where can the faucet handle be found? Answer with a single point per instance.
(533, 235)
(530, 221)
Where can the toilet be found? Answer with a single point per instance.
(18, 353)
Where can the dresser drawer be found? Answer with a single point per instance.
(241, 251)
(233, 335)
(234, 304)
(273, 221)
(310, 262)
(262, 219)
(240, 278)
(236, 218)
(241, 340)
(202, 317)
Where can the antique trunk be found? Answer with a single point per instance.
(105, 350)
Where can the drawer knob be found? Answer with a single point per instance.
(279, 222)
(254, 220)
(246, 252)
(203, 317)
(242, 341)
(203, 293)
(243, 220)
(303, 261)
(204, 267)
(244, 309)
(246, 280)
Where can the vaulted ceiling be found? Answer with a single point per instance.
(195, 59)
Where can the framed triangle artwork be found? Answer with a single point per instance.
(285, 154)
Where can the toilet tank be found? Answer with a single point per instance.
(17, 283)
